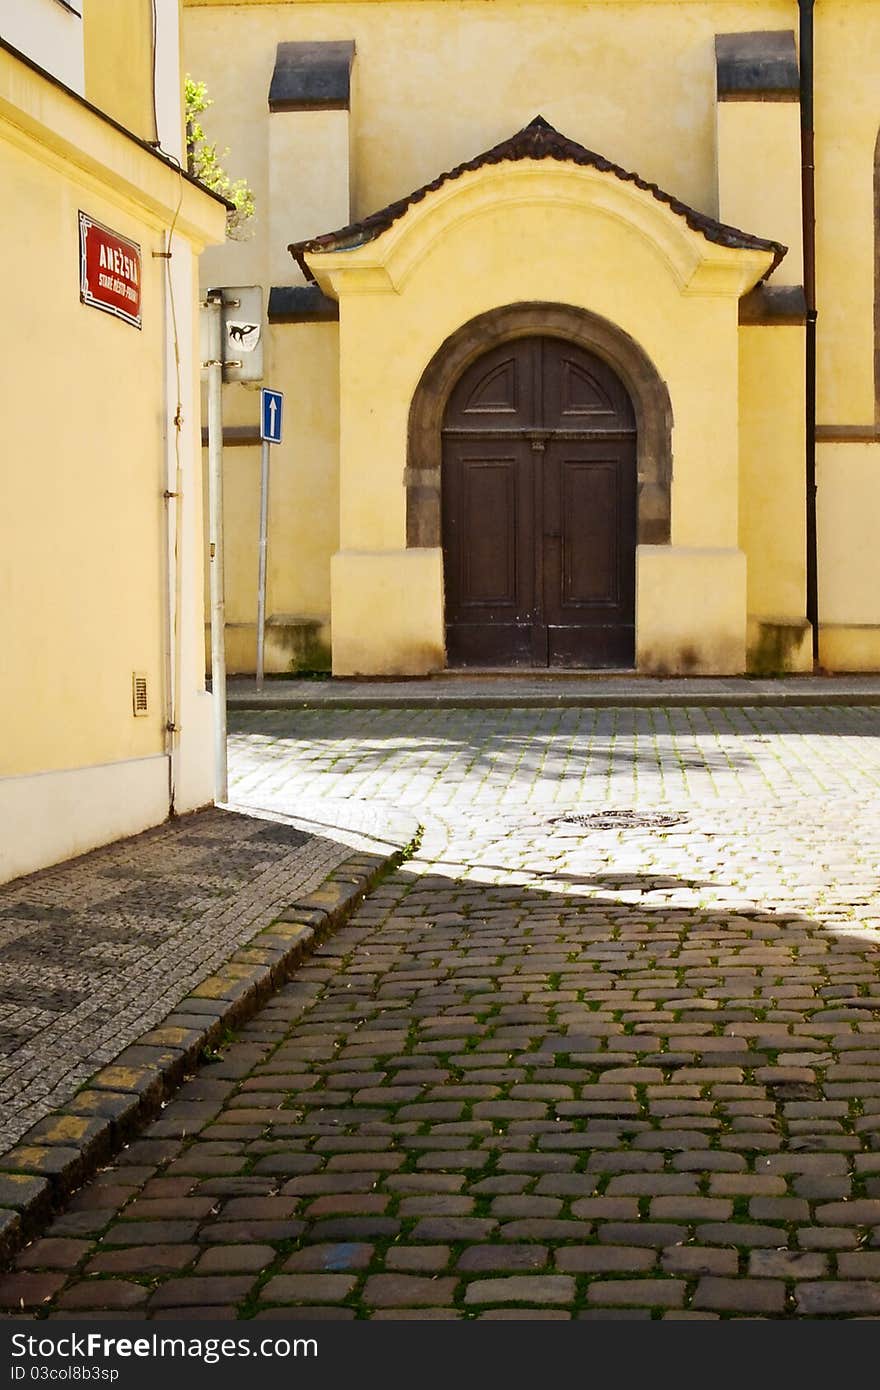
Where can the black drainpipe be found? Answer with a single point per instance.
(808, 203)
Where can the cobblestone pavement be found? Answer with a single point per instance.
(444, 759)
(95, 951)
(548, 1070)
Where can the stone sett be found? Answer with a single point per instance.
(98, 1294)
(531, 1289)
(407, 1291)
(740, 1295)
(307, 1288)
(653, 1293)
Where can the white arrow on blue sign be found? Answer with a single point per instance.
(271, 403)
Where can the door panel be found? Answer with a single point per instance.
(539, 510)
(488, 540)
(487, 529)
(590, 574)
(581, 392)
(589, 536)
(498, 391)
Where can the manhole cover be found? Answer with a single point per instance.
(621, 820)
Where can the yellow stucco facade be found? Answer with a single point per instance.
(699, 98)
(118, 62)
(88, 448)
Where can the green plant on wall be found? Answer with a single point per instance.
(204, 162)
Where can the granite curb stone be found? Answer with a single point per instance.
(594, 691)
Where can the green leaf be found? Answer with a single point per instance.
(205, 163)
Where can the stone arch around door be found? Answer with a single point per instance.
(646, 389)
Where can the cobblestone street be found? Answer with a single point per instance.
(616, 1067)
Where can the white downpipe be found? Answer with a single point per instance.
(214, 369)
(167, 85)
(169, 78)
(173, 495)
(170, 500)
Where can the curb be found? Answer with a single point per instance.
(570, 692)
(66, 1148)
(573, 701)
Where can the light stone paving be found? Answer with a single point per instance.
(451, 758)
(548, 1070)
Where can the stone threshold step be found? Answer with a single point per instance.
(468, 690)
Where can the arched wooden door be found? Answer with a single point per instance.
(539, 510)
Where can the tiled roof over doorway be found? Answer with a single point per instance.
(536, 141)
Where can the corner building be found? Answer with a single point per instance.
(106, 723)
(539, 289)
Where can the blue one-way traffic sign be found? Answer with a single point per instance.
(270, 415)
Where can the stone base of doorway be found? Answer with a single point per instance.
(66, 1148)
(468, 689)
(292, 644)
(539, 674)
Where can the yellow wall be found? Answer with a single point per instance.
(772, 433)
(847, 121)
(848, 476)
(759, 176)
(772, 510)
(82, 529)
(309, 151)
(118, 43)
(690, 610)
(438, 82)
(395, 597)
(82, 509)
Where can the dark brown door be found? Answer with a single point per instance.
(539, 510)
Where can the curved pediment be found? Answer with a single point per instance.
(538, 165)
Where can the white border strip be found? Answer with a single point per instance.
(48, 817)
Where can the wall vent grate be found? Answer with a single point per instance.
(140, 704)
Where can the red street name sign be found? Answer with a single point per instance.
(110, 271)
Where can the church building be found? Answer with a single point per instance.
(574, 309)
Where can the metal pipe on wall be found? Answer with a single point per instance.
(173, 495)
(808, 206)
(214, 367)
(261, 579)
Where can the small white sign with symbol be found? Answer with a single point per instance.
(241, 337)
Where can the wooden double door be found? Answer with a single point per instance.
(539, 510)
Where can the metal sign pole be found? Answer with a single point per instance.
(214, 365)
(271, 408)
(261, 583)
